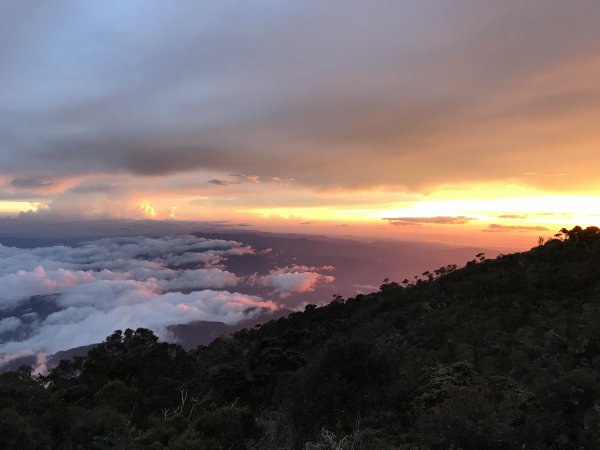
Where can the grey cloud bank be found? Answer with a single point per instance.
(306, 90)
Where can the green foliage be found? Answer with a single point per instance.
(115, 394)
(19, 432)
(499, 354)
(439, 383)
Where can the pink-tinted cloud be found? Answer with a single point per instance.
(295, 279)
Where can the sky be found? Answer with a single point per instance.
(457, 121)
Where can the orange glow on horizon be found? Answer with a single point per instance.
(147, 209)
(493, 214)
(518, 206)
(15, 207)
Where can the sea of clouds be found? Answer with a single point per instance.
(59, 297)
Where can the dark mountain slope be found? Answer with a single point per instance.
(500, 354)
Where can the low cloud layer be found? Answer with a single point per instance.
(58, 297)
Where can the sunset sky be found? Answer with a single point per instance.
(455, 121)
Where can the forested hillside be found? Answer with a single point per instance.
(500, 354)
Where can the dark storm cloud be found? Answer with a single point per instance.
(329, 93)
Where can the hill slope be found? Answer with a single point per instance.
(500, 354)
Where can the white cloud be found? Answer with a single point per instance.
(9, 324)
(19, 286)
(294, 279)
(121, 253)
(364, 288)
(83, 323)
(57, 269)
(116, 283)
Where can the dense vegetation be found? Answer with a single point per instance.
(500, 354)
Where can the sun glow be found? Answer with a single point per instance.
(554, 209)
(147, 209)
(9, 207)
(516, 209)
(317, 213)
